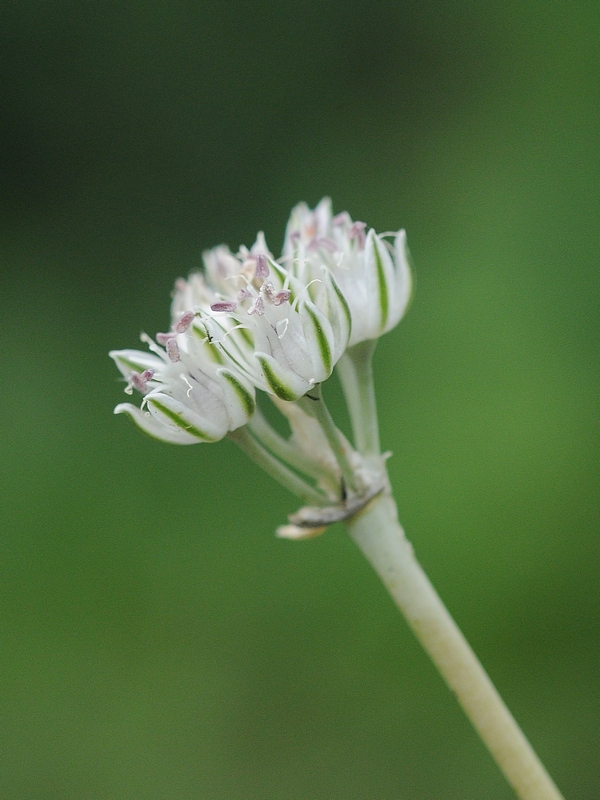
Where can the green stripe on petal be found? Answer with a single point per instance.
(247, 401)
(178, 420)
(276, 385)
(128, 361)
(211, 350)
(130, 364)
(322, 341)
(154, 428)
(282, 273)
(343, 302)
(384, 300)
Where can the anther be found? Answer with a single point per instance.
(341, 219)
(173, 350)
(323, 243)
(163, 338)
(225, 306)
(268, 290)
(257, 307)
(357, 231)
(262, 266)
(184, 322)
(281, 297)
(140, 380)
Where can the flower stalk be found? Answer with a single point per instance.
(356, 375)
(276, 468)
(380, 537)
(314, 404)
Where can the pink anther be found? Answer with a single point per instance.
(281, 297)
(184, 322)
(341, 219)
(225, 306)
(173, 350)
(139, 380)
(357, 231)
(163, 338)
(323, 243)
(262, 266)
(257, 307)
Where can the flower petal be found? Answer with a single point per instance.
(404, 282)
(173, 414)
(284, 383)
(129, 361)
(150, 425)
(238, 398)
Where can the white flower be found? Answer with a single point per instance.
(265, 319)
(253, 322)
(188, 395)
(373, 275)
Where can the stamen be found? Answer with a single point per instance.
(152, 345)
(323, 243)
(173, 350)
(262, 266)
(257, 307)
(184, 378)
(268, 290)
(140, 380)
(341, 219)
(305, 289)
(184, 322)
(235, 328)
(243, 294)
(281, 297)
(163, 338)
(227, 306)
(357, 231)
(281, 327)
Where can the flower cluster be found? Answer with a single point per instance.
(373, 276)
(264, 321)
(189, 396)
(252, 322)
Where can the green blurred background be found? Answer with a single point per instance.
(157, 641)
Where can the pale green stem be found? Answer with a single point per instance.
(282, 474)
(282, 448)
(356, 376)
(313, 404)
(377, 532)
